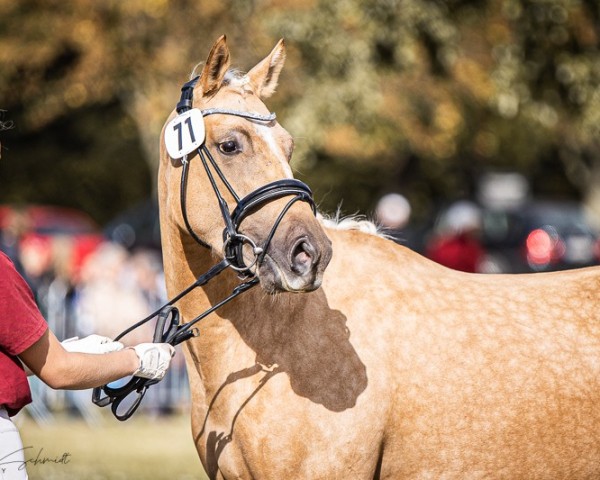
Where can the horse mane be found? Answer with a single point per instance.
(351, 222)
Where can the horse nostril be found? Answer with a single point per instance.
(303, 255)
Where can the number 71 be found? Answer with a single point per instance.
(179, 129)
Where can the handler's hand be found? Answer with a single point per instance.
(91, 344)
(155, 359)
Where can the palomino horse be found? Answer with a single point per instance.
(385, 365)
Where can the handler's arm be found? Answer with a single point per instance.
(61, 369)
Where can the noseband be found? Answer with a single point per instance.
(168, 328)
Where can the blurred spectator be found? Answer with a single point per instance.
(393, 214)
(147, 276)
(16, 225)
(36, 257)
(393, 211)
(108, 300)
(456, 244)
(55, 292)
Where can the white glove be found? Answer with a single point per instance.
(155, 359)
(91, 344)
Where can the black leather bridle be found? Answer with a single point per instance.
(168, 328)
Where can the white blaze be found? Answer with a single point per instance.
(267, 134)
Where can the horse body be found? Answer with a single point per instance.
(392, 367)
(425, 373)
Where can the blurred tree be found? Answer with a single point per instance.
(418, 95)
(60, 57)
(455, 87)
(63, 60)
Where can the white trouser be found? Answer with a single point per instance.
(12, 459)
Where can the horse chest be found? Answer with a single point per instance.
(268, 431)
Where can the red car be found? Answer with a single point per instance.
(50, 237)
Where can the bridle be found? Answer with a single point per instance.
(168, 328)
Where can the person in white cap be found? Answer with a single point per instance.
(393, 211)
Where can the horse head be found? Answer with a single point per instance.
(237, 189)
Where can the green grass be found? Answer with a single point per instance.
(140, 448)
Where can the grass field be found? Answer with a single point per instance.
(142, 448)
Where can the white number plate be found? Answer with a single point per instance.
(185, 133)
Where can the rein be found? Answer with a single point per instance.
(168, 328)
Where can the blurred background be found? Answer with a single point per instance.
(470, 130)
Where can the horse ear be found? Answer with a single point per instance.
(215, 67)
(265, 74)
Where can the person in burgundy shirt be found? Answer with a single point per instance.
(459, 252)
(73, 364)
(458, 245)
(80, 364)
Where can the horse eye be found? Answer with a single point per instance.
(228, 147)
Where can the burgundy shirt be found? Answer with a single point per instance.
(460, 252)
(21, 325)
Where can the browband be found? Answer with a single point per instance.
(187, 98)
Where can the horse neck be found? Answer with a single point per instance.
(185, 260)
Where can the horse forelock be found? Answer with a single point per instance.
(237, 79)
(233, 78)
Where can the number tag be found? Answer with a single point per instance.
(185, 133)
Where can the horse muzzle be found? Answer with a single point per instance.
(297, 265)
